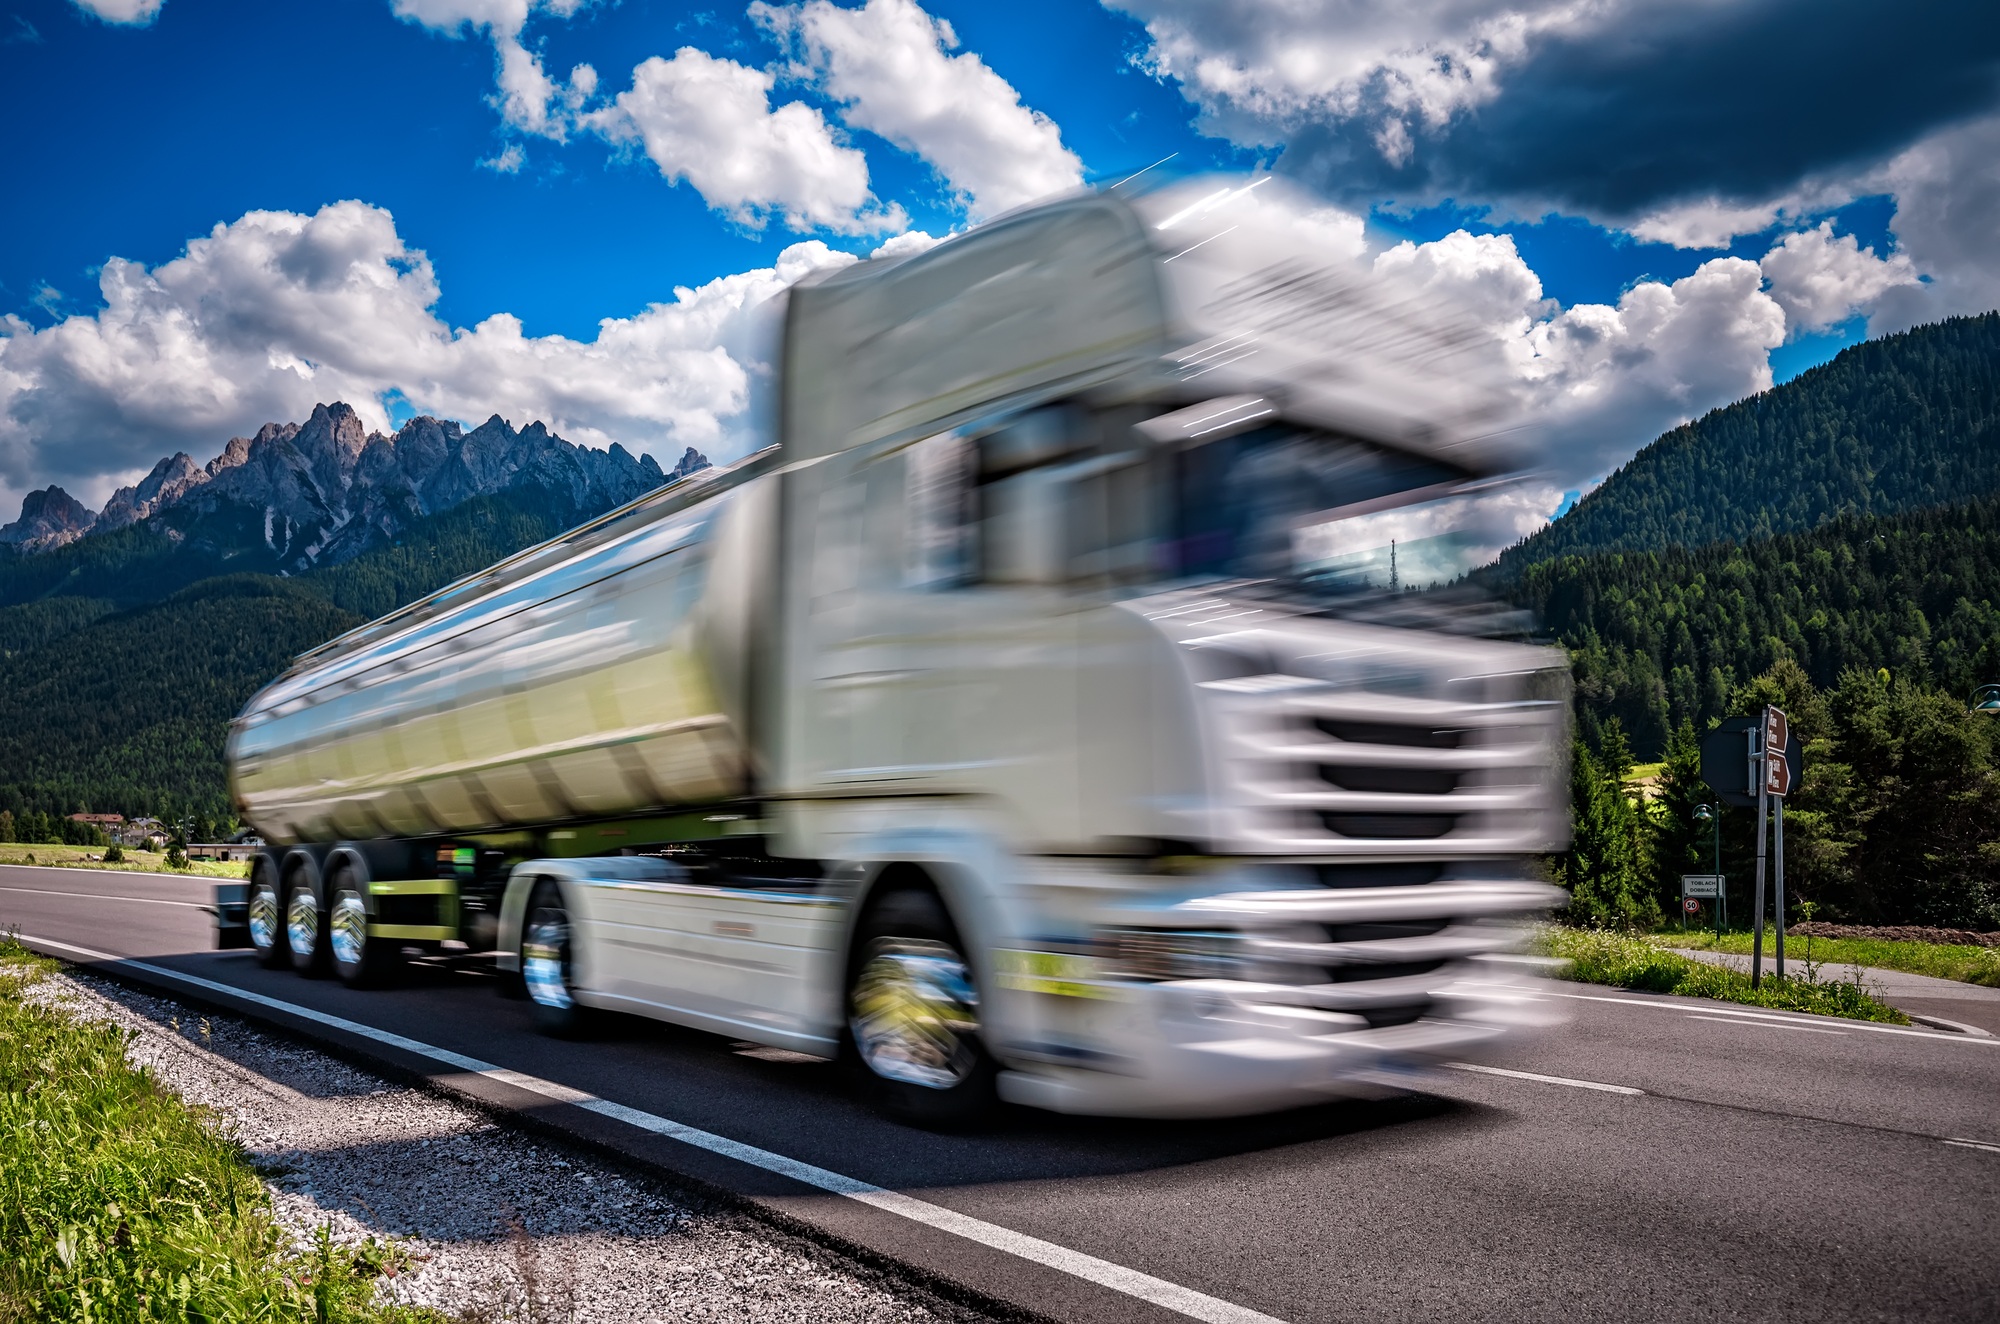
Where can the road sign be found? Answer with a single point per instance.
(1777, 774)
(1701, 884)
(1776, 729)
(1690, 905)
(1725, 762)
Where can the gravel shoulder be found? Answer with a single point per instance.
(482, 1222)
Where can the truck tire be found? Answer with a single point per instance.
(360, 960)
(548, 966)
(267, 916)
(913, 1015)
(305, 927)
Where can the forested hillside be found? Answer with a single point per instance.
(1895, 424)
(121, 670)
(1662, 637)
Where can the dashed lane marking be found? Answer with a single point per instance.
(1975, 1144)
(1545, 1080)
(1130, 1282)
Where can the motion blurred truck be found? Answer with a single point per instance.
(1050, 713)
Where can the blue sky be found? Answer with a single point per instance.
(1653, 238)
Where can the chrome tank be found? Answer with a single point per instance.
(602, 673)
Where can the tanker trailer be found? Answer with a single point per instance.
(1043, 716)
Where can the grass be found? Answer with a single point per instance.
(1967, 965)
(1598, 956)
(120, 1202)
(135, 861)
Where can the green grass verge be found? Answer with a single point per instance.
(135, 861)
(1968, 965)
(1597, 956)
(120, 1202)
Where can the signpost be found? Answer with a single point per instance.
(1699, 887)
(1755, 761)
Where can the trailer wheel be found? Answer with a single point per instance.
(360, 960)
(913, 1015)
(548, 964)
(305, 927)
(267, 916)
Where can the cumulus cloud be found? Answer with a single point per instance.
(274, 312)
(1819, 279)
(887, 65)
(1615, 109)
(908, 244)
(1594, 382)
(1947, 190)
(528, 99)
(709, 121)
(132, 13)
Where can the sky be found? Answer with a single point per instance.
(221, 212)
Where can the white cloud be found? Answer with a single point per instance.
(274, 312)
(135, 13)
(1261, 69)
(709, 121)
(886, 63)
(1819, 279)
(528, 99)
(1709, 223)
(1594, 382)
(1947, 191)
(908, 244)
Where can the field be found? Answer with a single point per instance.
(1968, 965)
(135, 861)
(1599, 956)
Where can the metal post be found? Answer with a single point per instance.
(1757, 895)
(1721, 888)
(1778, 872)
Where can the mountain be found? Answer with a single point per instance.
(301, 496)
(49, 518)
(128, 639)
(1659, 637)
(1895, 424)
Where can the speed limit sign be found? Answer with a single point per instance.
(1690, 905)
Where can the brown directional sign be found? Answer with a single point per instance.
(1777, 773)
(1725, 763)
(1777, 767)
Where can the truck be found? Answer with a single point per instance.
(1053, 712)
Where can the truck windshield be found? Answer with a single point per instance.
(1268, 504)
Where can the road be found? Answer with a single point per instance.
(1746, 1165)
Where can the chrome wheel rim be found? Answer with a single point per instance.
(545, 961)
(263, 918)
(350, 928)
(302, 923)
(916, 1013)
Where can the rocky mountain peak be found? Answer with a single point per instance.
(49, 519)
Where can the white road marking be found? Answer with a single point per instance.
(1765, 1025)
(122, 873)
(1975, 1144)
(1681, 1007)
(1546, 1080)
(1131, 1282)
(105, 896)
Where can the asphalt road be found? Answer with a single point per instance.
(1749, 1165)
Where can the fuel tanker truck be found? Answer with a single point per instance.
(1051, 712)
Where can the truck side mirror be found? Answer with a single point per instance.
(1062, 522)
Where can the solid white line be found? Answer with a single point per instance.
(1764, 1025)
(1546, 1080)
(119, 873)
(1975, 1144)
(1172, 1296)
(1681, 1006)
(104, 896)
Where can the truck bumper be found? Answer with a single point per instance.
(1215, 1048)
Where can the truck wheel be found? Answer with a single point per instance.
(913, 1014)
(547, 965)
(267, 918)
(359, 960)
(305, 928)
